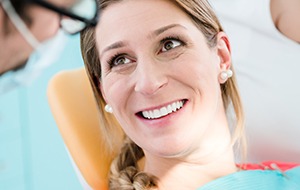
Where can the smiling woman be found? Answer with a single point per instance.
(164, 71)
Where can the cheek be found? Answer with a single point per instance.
(14, 51)
(45, 24)
(201, 76)
(116, 92)
(197, 70)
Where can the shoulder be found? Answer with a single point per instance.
(267, 176)
(269, 165)
(285, 14)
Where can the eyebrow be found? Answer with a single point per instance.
(153, 34)
(115, 45)
(163, 29)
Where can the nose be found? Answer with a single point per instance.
(150, 77)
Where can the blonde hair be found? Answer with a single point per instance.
(124, 170)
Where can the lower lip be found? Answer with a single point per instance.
(165, 120)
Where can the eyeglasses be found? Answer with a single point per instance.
(76, 15)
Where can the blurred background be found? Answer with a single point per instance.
(32, 152)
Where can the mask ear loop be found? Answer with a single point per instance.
(19, 24)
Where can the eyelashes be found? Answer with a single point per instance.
(171, 42)
(167, 44)
(118, 59)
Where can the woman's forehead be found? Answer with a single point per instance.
(138, 17)
(140, 12)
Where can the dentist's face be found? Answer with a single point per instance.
(15, 50)
(158, 74)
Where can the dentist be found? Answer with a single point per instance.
(33, 33)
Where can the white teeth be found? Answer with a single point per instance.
(169, 108)
(164, 111)
(157, 113)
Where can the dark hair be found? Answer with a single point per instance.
(20, 7)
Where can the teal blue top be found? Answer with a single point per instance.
(257, 180)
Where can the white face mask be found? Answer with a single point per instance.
(45, 54)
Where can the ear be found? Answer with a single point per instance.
(223, 51)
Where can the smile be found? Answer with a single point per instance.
(163, 111)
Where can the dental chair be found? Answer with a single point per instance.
(74, 109)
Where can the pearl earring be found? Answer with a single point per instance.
(226, 74)
(108, 108)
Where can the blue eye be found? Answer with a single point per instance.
(169, 44)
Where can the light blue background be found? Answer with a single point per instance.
(32, 152)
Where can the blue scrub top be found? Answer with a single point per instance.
(257, 180)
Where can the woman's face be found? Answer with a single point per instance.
(159, 75)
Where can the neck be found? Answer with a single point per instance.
(207, 159)
(185, 173)
(211, 158)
